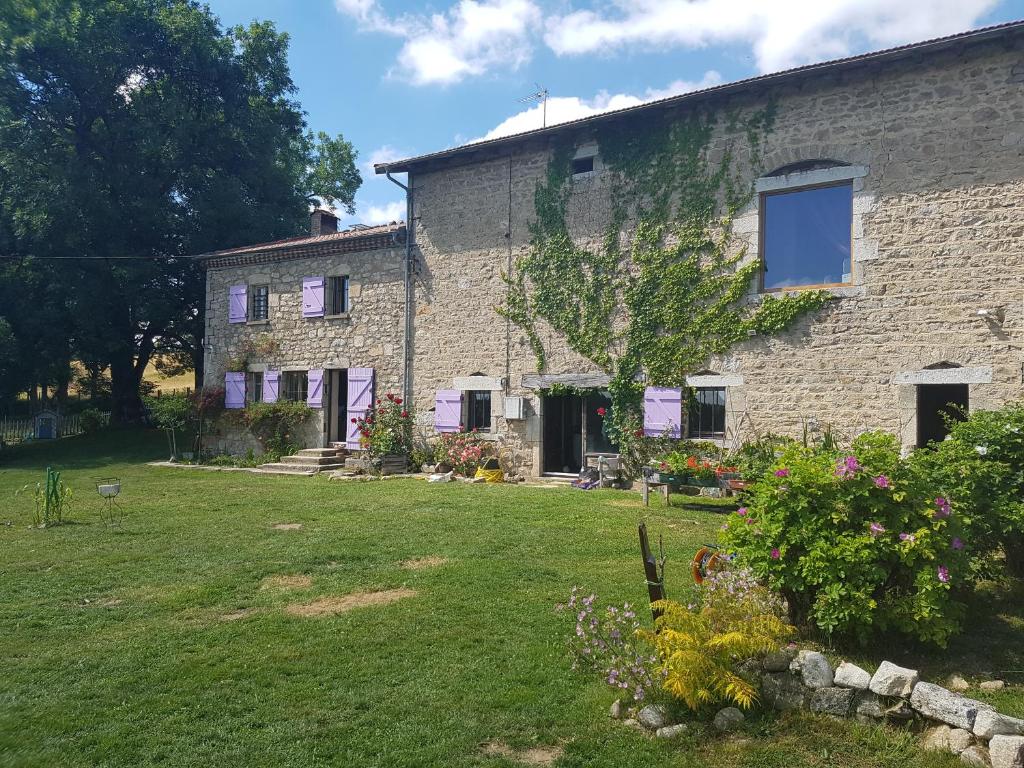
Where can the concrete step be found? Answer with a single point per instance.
(285, 469)
(311, 461)
(318, 452)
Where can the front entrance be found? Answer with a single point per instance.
(571, 430)
(335, 405)
(936, 403)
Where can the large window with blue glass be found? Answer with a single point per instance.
(806, 237)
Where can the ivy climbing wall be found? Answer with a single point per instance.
(646, 267)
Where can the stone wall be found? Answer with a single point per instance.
(368, 336)
(938, 235)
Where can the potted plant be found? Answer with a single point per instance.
(386, 434)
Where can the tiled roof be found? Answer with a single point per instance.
(775, 78)
(350, 236)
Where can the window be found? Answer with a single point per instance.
(582, 165)
(707, 413)
(806, 236)
(478, 411)
(337, 295)
(254, 387)
(259, 302)
(296, 386)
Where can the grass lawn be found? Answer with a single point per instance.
(173, 640)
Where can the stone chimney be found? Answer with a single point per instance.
(322, 222)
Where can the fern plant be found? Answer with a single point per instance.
(699, 649)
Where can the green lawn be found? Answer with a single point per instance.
(161, 642)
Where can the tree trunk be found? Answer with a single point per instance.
(124, 385)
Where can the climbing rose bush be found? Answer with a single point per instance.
(387, 427)
(858, 542)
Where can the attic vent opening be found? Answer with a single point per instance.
(582, 165)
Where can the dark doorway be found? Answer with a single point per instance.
(936, 403)
(572, 429)
(335, 405)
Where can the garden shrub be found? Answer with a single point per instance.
(276, 425)
(858, 542)
(93, 420)
(980, 467)
(462, 451)
(699, 647)
(387, 429)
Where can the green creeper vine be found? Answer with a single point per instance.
(666, 288)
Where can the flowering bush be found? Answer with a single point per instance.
(699, 647)
(387, 427)
(462, 451)
(857, 542)
(607, 643)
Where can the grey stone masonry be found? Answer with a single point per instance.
(935, 702)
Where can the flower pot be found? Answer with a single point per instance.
(393, 463)
(670, 479)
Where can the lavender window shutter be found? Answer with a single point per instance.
(313, 297)
(271, 386)
(447, 410)
(234, 389)
(359, 401)
(663, 412)
(315, 390)
(238, 296)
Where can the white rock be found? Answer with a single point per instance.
(990, 723)
(815, 670)
(670, 731)
(653, 717)
(959, 740)
(615, 710)
(728, 719)
(937, 703)
(957, 683)
(992, 685)
(975, 756)
(936, 738)
(851, 676)
(892, 680)
(1006, 751)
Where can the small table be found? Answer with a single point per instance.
(648, 483)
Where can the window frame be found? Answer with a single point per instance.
(346, 281)
(761, 215)
(252, 302)
(470, 399)
(693, 433)
(301, 388)
(254, 381)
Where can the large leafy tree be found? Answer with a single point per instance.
(134, 133)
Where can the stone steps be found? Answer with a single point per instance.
(308, 461)
(311, 461)
(285, 469)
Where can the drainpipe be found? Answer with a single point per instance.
(409, 292)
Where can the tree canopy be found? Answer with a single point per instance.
(133, 134)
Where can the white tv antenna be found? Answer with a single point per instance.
(540, 96)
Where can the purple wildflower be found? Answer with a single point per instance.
(742, 511)
(882, 481)
(944, 574)
(775, 553)
(847, 467)
(943, 510)
(908, 537)
(876, 529)
(782, 472)
(956, 543)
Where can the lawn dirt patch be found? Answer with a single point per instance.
(331, 606)
(282, 581)
(286, 526)
(531, 756)
(420, 563)
(241, 613)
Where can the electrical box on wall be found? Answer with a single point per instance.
(515, 408)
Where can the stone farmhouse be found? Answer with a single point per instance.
(893, 180)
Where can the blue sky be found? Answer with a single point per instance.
(403, 78)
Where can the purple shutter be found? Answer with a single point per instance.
(315, 390)
(271, 386)
(663, 412)
(234, 389)
(238, 296)
(313, 297)
(359, 401)
(447, 410)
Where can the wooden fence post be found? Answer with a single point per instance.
(655, 581)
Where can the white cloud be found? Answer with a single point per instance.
(782, 33)
(562, 109)
(470, 38)
(383, 154)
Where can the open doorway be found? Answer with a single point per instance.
(936, 403)
(572, 429)
(335, 411)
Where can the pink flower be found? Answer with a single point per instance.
(882, 481)
(775, 553)
(943, 574)
(908, 537)
(847, 467)
(943, 510)
(956, 543)
(782, 472)
(876, 529)
(742, 511)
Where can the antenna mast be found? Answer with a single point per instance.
(539, 96)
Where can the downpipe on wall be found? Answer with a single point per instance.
(408, 275)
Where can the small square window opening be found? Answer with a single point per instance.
(478, 411)
(582, 165)
(707, 413)
(338, 295)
